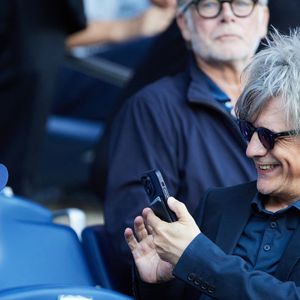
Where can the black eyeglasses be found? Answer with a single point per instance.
(266, 136)
(210, 9)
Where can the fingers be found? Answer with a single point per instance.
(130, 239)
(179, 209)
(140, 233)
(151, 220)
(140, 229)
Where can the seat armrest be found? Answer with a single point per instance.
(76, 218)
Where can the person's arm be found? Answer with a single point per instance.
(144, 137)
(165, 3)
(203, 265)
(225, 277)
(151, 22)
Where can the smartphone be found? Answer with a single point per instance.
(158, 194)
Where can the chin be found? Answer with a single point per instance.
(263, 187)
(229, 55)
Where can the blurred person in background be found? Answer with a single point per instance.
(183, 125)
(119, 32)
(161, 62)
(33, 35)
(121, 20)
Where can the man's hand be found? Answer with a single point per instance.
(151, 267)
(171, 239)
(155, 20)
(164, 3)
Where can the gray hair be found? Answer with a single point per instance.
(273, 72)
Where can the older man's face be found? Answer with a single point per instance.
(226, 38)
(278, 169)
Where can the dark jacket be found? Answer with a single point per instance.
(204, 268)
(174, 125)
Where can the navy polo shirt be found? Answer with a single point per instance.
(266, 235)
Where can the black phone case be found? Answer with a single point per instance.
(158, 194)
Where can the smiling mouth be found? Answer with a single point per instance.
(266, 167)
(228, 36)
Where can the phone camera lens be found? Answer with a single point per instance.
(148, 187)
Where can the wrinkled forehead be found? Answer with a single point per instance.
(271, 108)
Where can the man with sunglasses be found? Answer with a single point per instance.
(183, 125)
(245, 243)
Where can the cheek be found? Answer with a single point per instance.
(256, 29)
(289, 156)
(250, 35)
(204, 30)
(253, 29)
(294, 168)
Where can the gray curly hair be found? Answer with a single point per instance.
(273, 72)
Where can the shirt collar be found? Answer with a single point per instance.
(215, 91)
(258, 207)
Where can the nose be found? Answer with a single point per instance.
(227, 13)
(255, 148)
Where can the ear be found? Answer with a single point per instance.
(264, 21)
(182, 24)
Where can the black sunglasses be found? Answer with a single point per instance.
(266, 136)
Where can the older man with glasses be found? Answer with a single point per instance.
(184, 125)
(245, 243)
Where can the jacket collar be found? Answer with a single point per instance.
(235, 216)
(202, 89)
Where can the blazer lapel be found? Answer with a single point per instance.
(290, 257)
(235, 217)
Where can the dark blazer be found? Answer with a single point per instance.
(222, 215)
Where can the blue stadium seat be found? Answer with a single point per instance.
(35, 251)
(60, 293)
(40, 259)
(98, 250)
(68, 152)
(104, 263)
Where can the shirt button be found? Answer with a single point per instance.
(191, 276)
(273, 224)
(197, 282)
(204, 286)
(267, 247)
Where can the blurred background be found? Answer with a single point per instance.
(67, 66)
(64, 66)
